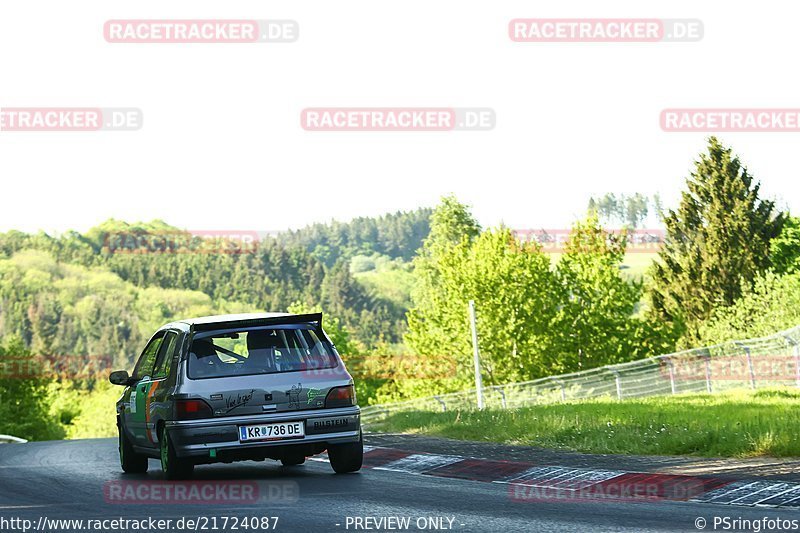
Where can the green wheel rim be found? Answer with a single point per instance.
(164, 451)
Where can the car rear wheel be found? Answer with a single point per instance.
(173, 466)
(130, 461)
(346, 457)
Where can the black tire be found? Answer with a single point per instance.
(347, 457)
(173, 466)
(130, 461)
(293, 460)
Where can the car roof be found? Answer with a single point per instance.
(213, 319)
(207, 322)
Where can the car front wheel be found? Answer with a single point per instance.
(347, 457)
(173, 466)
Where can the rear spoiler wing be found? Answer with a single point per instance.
(311, 318)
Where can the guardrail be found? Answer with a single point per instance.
(754, 363)
(4, 439)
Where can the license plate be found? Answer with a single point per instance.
(279, 430)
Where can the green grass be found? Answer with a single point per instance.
(735, 424)
(634, 265)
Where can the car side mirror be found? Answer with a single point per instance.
(120, 377)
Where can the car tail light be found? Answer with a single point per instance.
(341, 397)
(192, 409)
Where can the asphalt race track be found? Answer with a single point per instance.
(42, 481)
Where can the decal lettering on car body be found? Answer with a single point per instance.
(239, 401)
(313, 394)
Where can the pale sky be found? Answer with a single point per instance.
(222, 147)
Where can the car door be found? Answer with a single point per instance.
(156, 404)
(135, 419)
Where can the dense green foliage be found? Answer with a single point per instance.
(770, 304)
(785, 248)
(397, 235)
(76, 311)
(91, 300)
(597, 322)
(735, 424)
(271, 276)
(718, 237)
(532, 320)
(23, 396)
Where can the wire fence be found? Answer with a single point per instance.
(753, 363)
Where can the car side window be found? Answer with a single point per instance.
(166, 355)
(148, 358)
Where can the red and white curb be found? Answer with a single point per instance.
(755, 493)
(540, 482)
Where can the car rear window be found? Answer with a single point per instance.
(258, 351)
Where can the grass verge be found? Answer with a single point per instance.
(732, 424)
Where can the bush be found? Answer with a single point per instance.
(24, 400)
(772, 304)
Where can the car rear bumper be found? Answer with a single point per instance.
(197, 438)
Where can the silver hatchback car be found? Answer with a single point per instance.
(238, 387)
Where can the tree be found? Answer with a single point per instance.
(635, 210)
(23, 395)
(595, 324)
(771, 304)
(513, 287)
(453, 228)
(610, 208)
(719, 235)
(516, 299)
(785, 248)
(629, 211)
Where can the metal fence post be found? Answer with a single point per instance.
(797, 361)
(562, 387)
(502, 396)
(796, 353)
(444, 405)
(749, 364)
(617, 381)
(671, 374)
(476, 354)
(707, 357)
